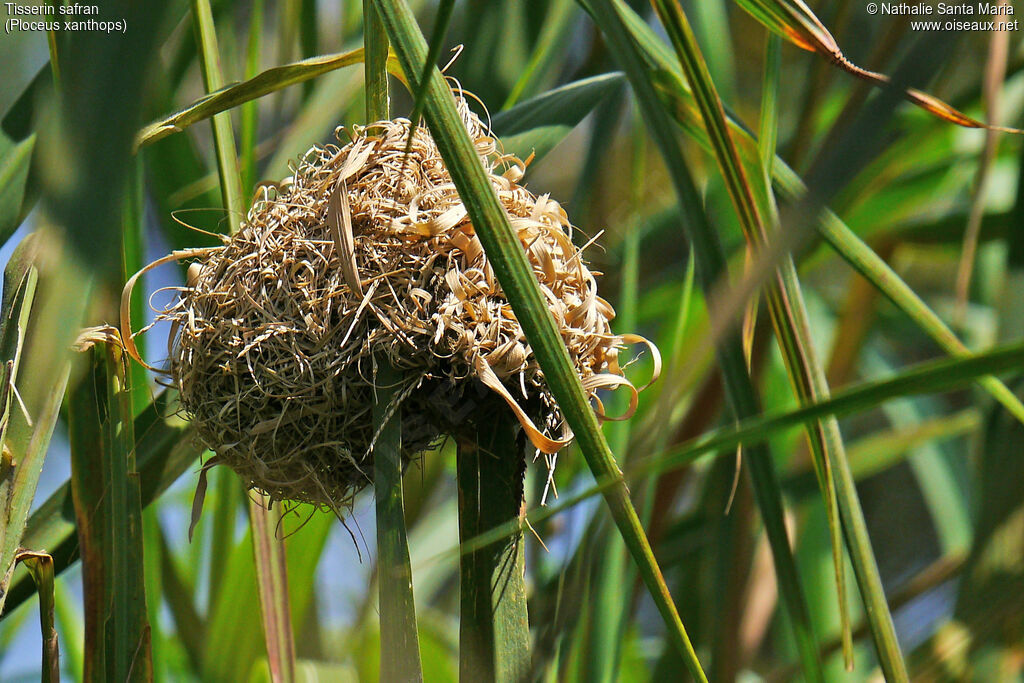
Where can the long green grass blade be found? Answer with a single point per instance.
(164, 449)
(710, 268)
(19, 188)
(399, 638)
(786, 303)
(15, 159)
(21, 278)
(249, 113)
(869, 264)
(791, 188)
(515, 275)
(268, 549)
(880, 451)
(178, 595)
(309, 22)
(83, 185)
(19, 287)
(221, 520)
(108, 508)
(70, 627)
(171, 167)
(272, 578)
(536, 125)
(494, 630)
(51, 44)
(234, 640)
(223, 98)
(400, 648)
(553, 39)
(133, 230)
(375, 73)
(932, 377)
(223, 137)
(768, 122)
(225, 499)
(132, 260)
(159, 640)
(607, 621)
(442, 20)
(25, 439)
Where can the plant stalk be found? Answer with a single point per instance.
(399, 641)
(494, 629)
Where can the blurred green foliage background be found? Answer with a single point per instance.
(936, 456)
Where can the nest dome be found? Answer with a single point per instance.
(364, 254)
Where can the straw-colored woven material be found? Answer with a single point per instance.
(366, 254)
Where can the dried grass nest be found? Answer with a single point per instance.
(365, 253)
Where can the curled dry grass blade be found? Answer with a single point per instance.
(794, 21)
(517, 280)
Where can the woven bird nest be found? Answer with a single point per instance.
(366, 254)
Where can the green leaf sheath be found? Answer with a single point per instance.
(400, 647)
(494, 630)
(108, 509)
